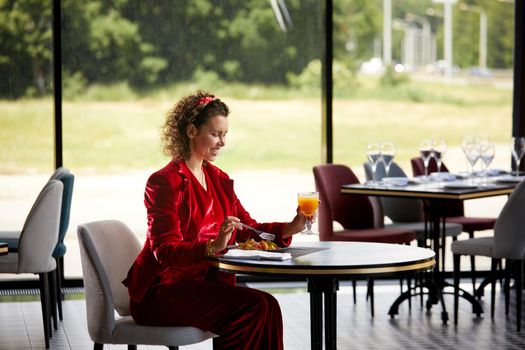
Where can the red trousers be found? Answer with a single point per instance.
(244, 318)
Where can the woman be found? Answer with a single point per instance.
(193, 212)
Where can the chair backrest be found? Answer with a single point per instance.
(40, 232)
(397, 209)
(107, 250)
(453, 207)
(509, 230)
(68, 181)
(58, 173)
(418, 167)
(351, 211)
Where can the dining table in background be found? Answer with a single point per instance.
(323, 264)
(434, 196)
(4, 249)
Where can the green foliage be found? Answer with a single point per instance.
(156, 43)
(391, 78)
(310, 78)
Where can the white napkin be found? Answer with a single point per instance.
(256, 254)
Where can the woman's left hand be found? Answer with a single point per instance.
(296, 225)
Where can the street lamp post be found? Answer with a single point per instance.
(387, 32)
(482, 31)
(448, 33)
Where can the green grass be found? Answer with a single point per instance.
(113, 130)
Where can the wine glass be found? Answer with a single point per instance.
(518, 150)
(439, 147)
(425, 150)
(470, 147)
(387, 155)
(308, 203)
(373, 153)
(487, 153)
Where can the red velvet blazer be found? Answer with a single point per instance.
(182, 217)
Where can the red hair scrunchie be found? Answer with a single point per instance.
(204, 100)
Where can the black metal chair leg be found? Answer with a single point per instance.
(354, 286)
(132, 347)
(493, 277)
(59, 296)
(371, 294)
(98, 346)
(44, 295)
(456, 261)
(518, 279)
(508, 267)
(52, 298)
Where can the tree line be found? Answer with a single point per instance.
(156, 42)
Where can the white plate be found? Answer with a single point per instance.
(460, 185)
(443, 176)
(396, 181)
(511, 179)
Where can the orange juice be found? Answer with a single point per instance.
(308, 203)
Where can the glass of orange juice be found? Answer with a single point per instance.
(308, 203)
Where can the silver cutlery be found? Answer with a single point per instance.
(262, 234)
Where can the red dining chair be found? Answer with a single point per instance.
(354, 212)
(454, 211)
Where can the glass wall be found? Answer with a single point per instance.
(126, 63)
(424, 69)
(26, 109)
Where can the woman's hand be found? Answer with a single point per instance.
(296, 225)
(225, 232)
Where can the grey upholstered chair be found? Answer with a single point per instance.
(12, 237)
(37, 240)
(107, 250)
(507, 243)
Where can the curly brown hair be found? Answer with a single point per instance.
(193, 109)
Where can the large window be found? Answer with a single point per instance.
(423, 69)
(126, 63)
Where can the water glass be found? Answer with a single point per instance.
(487, 153)
(425, 150)
(387, 155)
(471, 149)
(518, 151)
(373, 154)
(439, 147)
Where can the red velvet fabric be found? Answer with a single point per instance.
(182, 217)
(354, 212)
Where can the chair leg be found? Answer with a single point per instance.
(456, 262)
(473, 266)
(132, 347)
(98, 346)
(508, 267)
(59, 296)
(52, 298)
(493, 277)
(44, 301)
(371, 294)
(173, 348)
(354, 285)
(473, 273)
(519, 279)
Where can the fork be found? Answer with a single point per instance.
(262, 234)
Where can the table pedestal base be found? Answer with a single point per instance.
(317, 286)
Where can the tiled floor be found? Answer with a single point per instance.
(21, 324)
